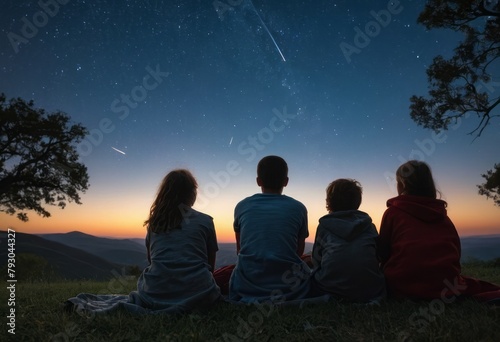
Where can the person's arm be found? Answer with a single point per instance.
(236, 227)
(303, 234)
(301, 245)
(212, 247)
(148, 250)
(237, 235)
(317, 250)
(384, 239)
(211, 259)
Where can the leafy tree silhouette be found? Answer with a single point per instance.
(38, 159)
(463, 85)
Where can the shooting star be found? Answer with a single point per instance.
(231, 141)
(117, 150)
(269, 32)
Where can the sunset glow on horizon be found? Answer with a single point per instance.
(471, 214)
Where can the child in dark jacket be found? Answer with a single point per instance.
(344, 253)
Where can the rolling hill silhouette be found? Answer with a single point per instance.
(126, 251)
(119, 251)
(67, 262)
(482, 247)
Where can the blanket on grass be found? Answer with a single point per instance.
(87, 303)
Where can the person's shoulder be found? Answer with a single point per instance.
(363, 214)
(254, 197)
(394, 201)
(392, 211)
(250, 198)
(393, 204)
(294, 201)
(199, 215)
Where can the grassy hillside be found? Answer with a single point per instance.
(40, 318)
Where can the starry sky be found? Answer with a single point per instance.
(213, 86)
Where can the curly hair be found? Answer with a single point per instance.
(343, 194)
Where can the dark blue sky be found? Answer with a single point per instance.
(203, 85)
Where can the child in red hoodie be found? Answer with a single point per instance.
(419, 247)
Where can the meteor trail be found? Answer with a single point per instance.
(117, 150)
(269, 32)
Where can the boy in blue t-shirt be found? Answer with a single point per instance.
(271, 229)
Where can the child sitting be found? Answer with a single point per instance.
(344, 253)
(181, 246)
(419, 247)
(271, 229)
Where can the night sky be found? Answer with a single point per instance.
(215, 86)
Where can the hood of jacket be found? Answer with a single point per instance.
(422, 208)
(346, 224)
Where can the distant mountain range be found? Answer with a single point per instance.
(77, 255)
(118, 251)
(482, 247)
(67, 262)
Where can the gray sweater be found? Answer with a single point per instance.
(345, 259)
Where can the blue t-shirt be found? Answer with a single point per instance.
(268, 267)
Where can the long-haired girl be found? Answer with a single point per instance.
(181, 244)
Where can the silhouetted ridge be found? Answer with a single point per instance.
(66, 261)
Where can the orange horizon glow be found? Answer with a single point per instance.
(224, 234)
(122, 215)
(114, 224)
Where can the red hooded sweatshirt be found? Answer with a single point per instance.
(419, 250)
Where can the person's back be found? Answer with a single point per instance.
(344, 252)
(181, 244)
(181, 247)
(179, 275)
(419, 247)
(270, 231)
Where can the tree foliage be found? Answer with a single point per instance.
(491, 188)
(38, 159)
(463, 85)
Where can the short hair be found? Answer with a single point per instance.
(343, 194)
(272, 172)
(416, 178)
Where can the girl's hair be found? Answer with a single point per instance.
(415, 178)
(343, 194)
(176, 193)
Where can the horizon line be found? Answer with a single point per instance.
(116, 237)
